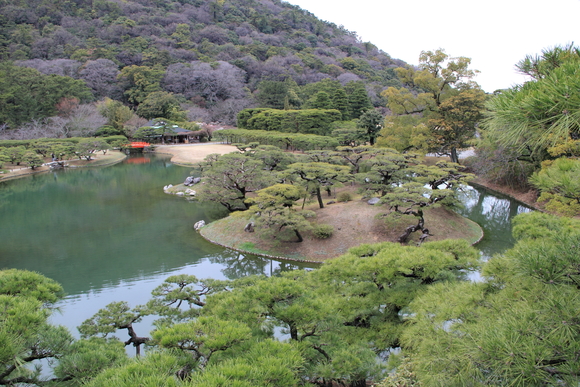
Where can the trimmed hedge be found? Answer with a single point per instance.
(72, 140)
(286, 141)
(307, 121)
(246, 114)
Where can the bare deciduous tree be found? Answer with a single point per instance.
(227, 111)
(83, 120)
(213, 83)
(101, 76)
(64, 67)
(134, 124)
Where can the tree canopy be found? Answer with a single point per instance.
(230, 177)
(541, 117)
(518, 327)
(27, 94)
(316, 176)
(558, 181)
(334, 321)
(217, 58)
(27, 336)
(532, 122)
(273, 210)
(448, 102)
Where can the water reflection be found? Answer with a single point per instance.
(111, 234)
(238, 265)
(493, 212)
(227, 264)
(94, 228)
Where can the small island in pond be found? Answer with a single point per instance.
(284, 221)
(353, 223)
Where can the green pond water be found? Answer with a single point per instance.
(111, 234)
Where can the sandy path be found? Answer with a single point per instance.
(187, 154)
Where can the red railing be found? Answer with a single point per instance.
(138, 144)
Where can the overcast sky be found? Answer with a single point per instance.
(495, 34)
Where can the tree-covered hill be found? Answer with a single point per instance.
(213, 55)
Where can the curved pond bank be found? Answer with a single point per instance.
(493, 211)
(112, 234)
(354, 223)
(100, 160)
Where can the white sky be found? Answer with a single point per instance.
(495, 34)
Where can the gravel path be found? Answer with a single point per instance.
(187, 154)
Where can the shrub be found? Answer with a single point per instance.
(344, 197)
(114, 139)
(559, 182)
(3, 159)
(107, 130)
(559, 204)
(323, 231)
(394, 222)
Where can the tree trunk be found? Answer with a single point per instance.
(411, 229)
(135, 340)
(358, 383)
(319, 197)
(408, 231)
(424, 236)
(454, 156)
(184, 372)
(300, 239)
(293, 333)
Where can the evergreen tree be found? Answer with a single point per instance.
(316, 176)
(450, 104)
(340, 102)
(358, 99)
(230, 177)
(372, 122)
(273, 211)
(559, 183)
(516, 328)
(541, 117)
(321, 101)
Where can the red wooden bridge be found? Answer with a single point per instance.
(138, 144)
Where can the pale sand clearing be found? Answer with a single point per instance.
(187, 154)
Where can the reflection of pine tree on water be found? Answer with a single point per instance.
(238, 265)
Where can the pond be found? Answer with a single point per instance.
(111, 234)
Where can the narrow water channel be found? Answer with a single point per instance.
(111, 234)
(493, 212)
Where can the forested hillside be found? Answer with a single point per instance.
(81, 68)
(212, 58)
